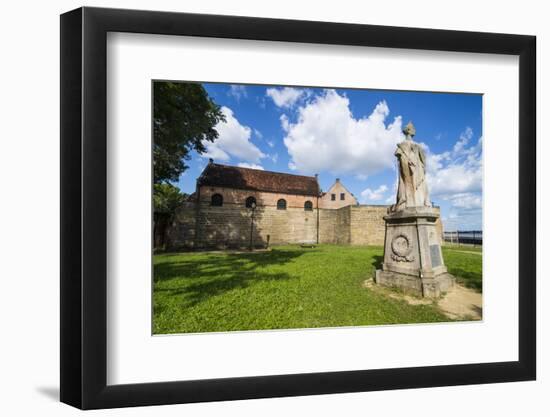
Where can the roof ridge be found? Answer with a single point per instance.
(256, 179)
(343, 186)
(266, 171)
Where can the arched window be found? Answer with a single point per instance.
(250, 201)
(308, 206)
(281, 204)
(217, 200)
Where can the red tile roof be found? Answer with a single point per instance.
(217, 175)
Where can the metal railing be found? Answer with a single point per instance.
(465, 237)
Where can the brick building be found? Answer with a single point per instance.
(337, 197)
(236, 207)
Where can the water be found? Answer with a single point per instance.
(464, 236)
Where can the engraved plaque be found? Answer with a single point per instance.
(435, 254)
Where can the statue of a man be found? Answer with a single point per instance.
(412, 190)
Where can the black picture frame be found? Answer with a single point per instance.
(84, 207)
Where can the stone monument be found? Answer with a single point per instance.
(413, 260)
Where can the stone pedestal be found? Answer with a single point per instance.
(413, 260)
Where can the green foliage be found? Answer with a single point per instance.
(288, 287)
(166, 198)
(184, 116)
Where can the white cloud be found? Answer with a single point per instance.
(457, 177)
(285, 124)
(327, 137)
(463, 219)
(459, 171)
(285, 97)
(237, 92)
(252, 166)
(233, 141)
(465, 138)
(261, 102)
(215, 152)
(374, 195)
(258, 134)
(468, 201)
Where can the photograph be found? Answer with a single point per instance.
(266, 209)
(280, 207)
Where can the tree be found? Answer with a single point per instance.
(184, 116)
(166, 199)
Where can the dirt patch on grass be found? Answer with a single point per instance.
(460, 303)
(396, 294)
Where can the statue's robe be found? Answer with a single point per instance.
(412, 190)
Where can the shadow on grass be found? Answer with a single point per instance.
(467, 278)
(216, 274)
(477, 309)
(377, 261)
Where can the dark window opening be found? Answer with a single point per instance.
(217, 200)
(281, 204)
(308, 206)
(250, 201)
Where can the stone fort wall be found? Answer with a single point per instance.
(201, 226)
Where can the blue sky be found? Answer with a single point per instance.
(351, 134)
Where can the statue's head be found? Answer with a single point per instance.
(409, 131)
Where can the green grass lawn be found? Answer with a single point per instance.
(288, 287)
(465, 264)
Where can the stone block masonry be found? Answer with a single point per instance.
(229, 226)
(334, 225)
(353, 225)
(288, 209)
(367, 225)
(232, 226)
(181, 233)
(236, 207)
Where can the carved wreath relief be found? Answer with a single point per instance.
(401, 247)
